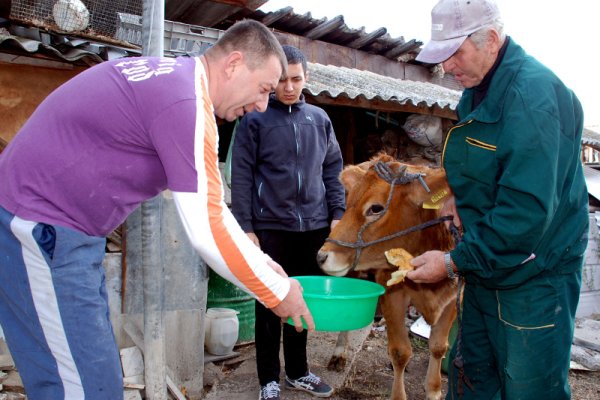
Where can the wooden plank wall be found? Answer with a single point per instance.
(22, 88)
(333, 54)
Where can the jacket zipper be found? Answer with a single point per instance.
(298, 170)
(259, 195)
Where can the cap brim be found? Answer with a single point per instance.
(437, 51)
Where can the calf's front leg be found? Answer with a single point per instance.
(394, 305)
(338, 360)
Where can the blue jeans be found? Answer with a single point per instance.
(54, 311)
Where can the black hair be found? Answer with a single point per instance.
(295, 56)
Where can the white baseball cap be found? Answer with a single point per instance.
(452, 21)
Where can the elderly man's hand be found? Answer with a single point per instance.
(294, 306)
(429, 268)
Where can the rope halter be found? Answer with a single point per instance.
(400, 177)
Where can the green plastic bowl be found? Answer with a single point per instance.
(338, 303)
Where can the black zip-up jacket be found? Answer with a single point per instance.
(285, 169)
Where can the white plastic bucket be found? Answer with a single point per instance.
(221, 328)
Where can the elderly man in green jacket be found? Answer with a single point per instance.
(513, 164)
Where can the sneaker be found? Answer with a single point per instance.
(269, 392)
(311, 384)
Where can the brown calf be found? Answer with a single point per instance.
(388, 206)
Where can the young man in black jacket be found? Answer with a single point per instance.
(286, 196)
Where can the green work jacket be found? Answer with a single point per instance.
(514, 166)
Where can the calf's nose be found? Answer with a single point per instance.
(321, 257)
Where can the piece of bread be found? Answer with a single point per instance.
(401, 259)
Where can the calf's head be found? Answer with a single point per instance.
(373, 213)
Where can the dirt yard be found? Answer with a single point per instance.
(371, 375)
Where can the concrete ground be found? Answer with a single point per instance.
(236, 377)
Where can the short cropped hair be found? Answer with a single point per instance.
(254, 40)
(480, 37)
(295, 56)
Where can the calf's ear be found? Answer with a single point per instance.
(351, 175)
(364, 165)
(439, 190)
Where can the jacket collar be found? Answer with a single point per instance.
(273, 102)
(490, 109)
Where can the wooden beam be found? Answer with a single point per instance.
(174, 389)
(367, 39)
(137, 337)
(325, 28)
(249, 4)
(406, 47)
(273, 17)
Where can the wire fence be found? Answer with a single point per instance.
(98, 18)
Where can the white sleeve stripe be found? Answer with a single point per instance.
(207, 220)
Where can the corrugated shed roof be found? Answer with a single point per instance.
(591, 138)
(352, 83)
(333, 31)
(72, 49)
(332, 81)
(221, 14)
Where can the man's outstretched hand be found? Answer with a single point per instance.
(293, 306)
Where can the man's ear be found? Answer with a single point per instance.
(494, 41)
(234, 60)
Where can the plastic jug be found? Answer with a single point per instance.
(221, 328)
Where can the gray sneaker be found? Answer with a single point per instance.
(311, 384)
(269, 392)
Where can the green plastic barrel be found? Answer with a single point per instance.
(224, 294)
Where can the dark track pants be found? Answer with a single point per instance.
(516, 343)
(54, 312)
(296, 252)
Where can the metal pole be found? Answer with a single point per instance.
(153, 28)
(154, 330)
(153, 17)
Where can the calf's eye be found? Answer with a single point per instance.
(375, 209)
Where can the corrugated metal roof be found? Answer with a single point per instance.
(332, 81)
(352, 83)
(591, 138)
(333, 31)
(221, 14)
(33, 46)
(35, 41)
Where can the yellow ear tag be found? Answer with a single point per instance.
(434, 203)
